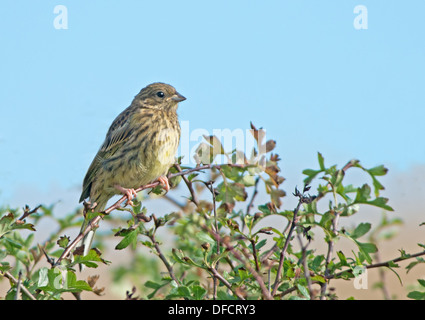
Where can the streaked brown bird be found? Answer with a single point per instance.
(139, 148)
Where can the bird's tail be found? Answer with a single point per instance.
(88, 238)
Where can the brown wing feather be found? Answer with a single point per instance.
(117, 135)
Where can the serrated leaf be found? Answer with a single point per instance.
(366, 249)
(63, 241)
(311, 174)
(90, 259)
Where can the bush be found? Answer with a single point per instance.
(220, 250)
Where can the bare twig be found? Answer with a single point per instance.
(225, 282)
(254, 194)
(93, 223)
(212, 190)
(9, 276)
(254, 253)
(79, 237)
(163, 258)
(174, 201)
(275, 247)
(302, 199)
(305, 264)
(49, 260)
(28, 212)
(189, 184)
(236, 254)
(18, 286)
(382, 277)
(331, 245)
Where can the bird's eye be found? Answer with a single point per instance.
(160, 94)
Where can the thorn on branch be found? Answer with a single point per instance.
(28, 212)
(49, 260)
(304, 198)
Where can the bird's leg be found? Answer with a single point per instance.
(163, 180)
(129, 193)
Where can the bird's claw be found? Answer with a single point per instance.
(163, 180)
(128, 193)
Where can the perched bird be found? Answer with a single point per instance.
(139, 148)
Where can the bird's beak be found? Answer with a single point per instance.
(178, 97)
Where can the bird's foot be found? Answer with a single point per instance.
(163, 180)
(129, 193)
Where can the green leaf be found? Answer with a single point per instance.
(198, 292)
(205, 237)
(43, 279)
(191, 176)
(222, 295)
(5, 223)
(381, 203)
(361, 230)
(342, 258)
(317, 261)
(248, 180)
(129, 238)
(311, 174)
(366, 248)
(337, 178)
(229, 192)
(243, 274)
(326, 220)
(303, 290)
(155, 286)
(363, 196)
(76, 285)
(259, 245)
(416, 295)
(321, 161)
(318, 278)
(414, 263)
(179, 292)
(90, 259)
(378, 171)
(395, 272)
(63, 241)
(421, 282)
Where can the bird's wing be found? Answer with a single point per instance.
(118, 134)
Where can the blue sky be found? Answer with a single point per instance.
(297, 68)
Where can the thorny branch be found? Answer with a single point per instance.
(225, 241)
(9, 276)
(370, 266)
(95, 221)
(302, 199)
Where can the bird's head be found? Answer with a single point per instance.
(160, 96)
